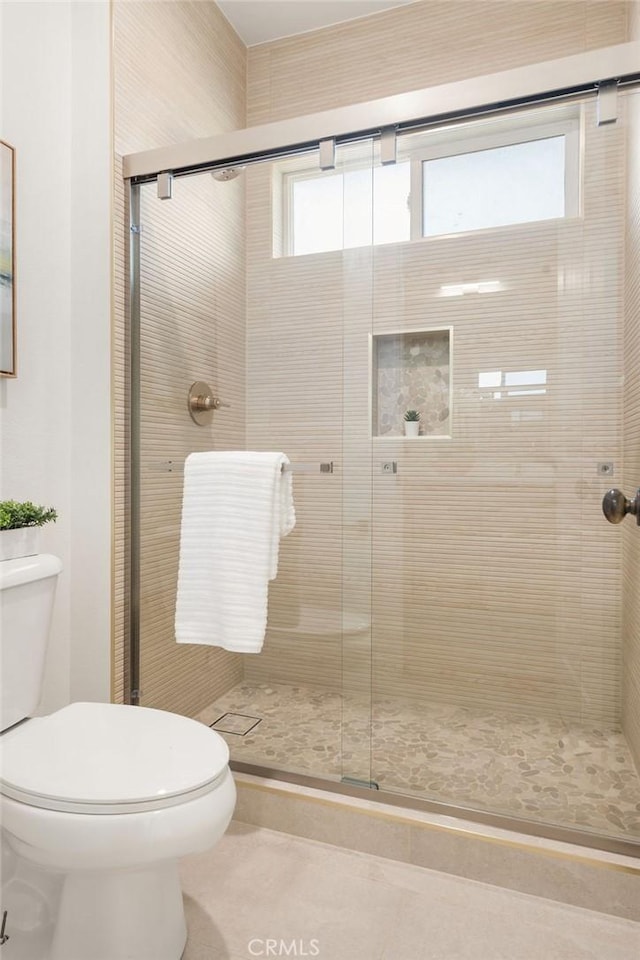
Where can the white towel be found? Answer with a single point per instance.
(236, 507)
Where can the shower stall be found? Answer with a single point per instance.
(454, 623)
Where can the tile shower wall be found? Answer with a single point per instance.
(414, 46)
(488, 550)
(179, 74)
(421, 45)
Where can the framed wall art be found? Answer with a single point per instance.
(7, 261)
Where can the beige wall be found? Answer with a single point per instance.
(631, 533)
(421, 45)
(179, 74)
(488, 550)
(304, 381)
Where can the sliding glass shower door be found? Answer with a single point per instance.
(260, 285)
(443, 345)
(497, 584)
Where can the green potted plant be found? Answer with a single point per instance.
(19, 527)
(411, 423)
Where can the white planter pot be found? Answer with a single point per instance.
(23, 542)
(411, 428)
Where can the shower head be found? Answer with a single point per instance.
(228, 173)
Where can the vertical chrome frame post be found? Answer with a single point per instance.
(132, 678)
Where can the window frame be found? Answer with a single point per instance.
(568, 127)
(446, 142)
(311, 171)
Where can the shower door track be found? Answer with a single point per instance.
(520, 87)
(532, 828)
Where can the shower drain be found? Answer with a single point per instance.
(239, 724)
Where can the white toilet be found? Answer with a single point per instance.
(98, 801)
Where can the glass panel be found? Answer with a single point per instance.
(336, 211)
(192, 327)
(497, 593)
(356, 268)
(285, 341)
(518, 183)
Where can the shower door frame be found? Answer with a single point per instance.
(597, 73)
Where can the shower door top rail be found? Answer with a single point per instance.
(579, 73)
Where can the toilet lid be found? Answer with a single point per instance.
(90, 756)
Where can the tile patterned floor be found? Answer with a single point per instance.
(540, 768)
(259, 890)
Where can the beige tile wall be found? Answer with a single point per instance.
(179, 74)
(631, 482)
(495, 580)
(420, 45)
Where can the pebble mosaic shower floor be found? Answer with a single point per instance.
(539, 768)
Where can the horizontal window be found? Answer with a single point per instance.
(334, 211)
(485, 174)
(519, 183)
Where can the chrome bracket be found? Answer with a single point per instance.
(388, 146)
(356, 782)
(607, 102)
(165, 185)
(327, 154)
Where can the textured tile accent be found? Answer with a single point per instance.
(411, 372)
(570, 774)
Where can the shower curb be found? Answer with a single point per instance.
(581, 876)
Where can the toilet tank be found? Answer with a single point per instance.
(27, 590)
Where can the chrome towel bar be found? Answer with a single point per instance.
(177, 466)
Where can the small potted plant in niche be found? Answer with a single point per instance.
(19, 523)
(411, 423)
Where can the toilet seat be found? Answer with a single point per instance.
(103, 758)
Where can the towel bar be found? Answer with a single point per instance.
(177, 466)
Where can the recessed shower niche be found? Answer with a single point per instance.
(411, 370)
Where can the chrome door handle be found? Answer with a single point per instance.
(615, 506)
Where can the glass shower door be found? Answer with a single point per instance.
(190, 328)
(438, 345)
(309, 285)
(497, 586)
(241, 287)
